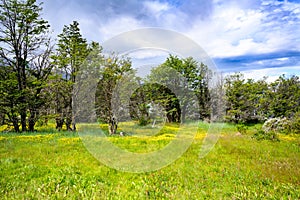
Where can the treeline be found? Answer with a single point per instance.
(250, 101)
(38, 77)
(39, 82)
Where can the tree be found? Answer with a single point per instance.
(181, 82)
(151, 95)
(9, 95)
(261, 101)
(284, 97)
(38, 93)
(23, 35)
(217, 98)
(87, 79)
(72, 50)
(236, 97)
(139, 104)
(107, 98)
(246, 99)
(189, 81)
(163, 87)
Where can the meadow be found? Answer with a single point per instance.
(56, 165)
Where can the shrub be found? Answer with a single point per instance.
(277, 125)
(262, 135)
(295, 123)
(242, 128)
(143, 121)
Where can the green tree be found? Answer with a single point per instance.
(237, 97)
(107, 96)
(247, 100)
(284, 97)
(186, 68)
(71, 52)
(87, 78)
(260, 100)
(9, 95)
(164, 88)
(151, 95)
(23, 36)
(187, 79)
(139, 104)
(38, 93)
(200, 78)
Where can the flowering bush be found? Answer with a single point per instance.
(278, 125)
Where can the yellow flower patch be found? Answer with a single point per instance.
(69, 140)
(33, 137)
(172, 128)
(104, 126)
(200, 136)
(287, 137)
(5, 128)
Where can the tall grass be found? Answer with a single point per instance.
(57, 165)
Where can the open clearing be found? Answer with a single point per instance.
(56, 165)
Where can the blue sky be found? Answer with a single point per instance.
(258, 37)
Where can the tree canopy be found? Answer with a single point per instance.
(24, 52)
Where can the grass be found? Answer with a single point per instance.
(56, 165)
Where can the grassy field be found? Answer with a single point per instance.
(52, 165)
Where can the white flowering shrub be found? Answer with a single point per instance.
(296, 123)
(278, 125)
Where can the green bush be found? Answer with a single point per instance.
(262, 135)
(295, 123)
(242, 128)
(143, 121)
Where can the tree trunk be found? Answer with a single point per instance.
(21, 65)
(16, 124)
(31, 126)
(2, 118)
(73, 116)
(23, 121)
(183, 114)
(68, 123)
(59, 112)
(73, 123)
(112, 129)
(169, 118)
(69, 117)
(112, 126)
(59, 123)
(32, 120)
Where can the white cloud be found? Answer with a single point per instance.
(224, 28)
(282, 59)
(271, 73)
(143, 60)
(117, 26)
(148, 53)
(155, 7)
(235, 31)
(229, 31)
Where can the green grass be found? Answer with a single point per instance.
(58, 166)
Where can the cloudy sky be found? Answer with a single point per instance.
(257, 37)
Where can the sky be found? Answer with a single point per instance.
(256, 37)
